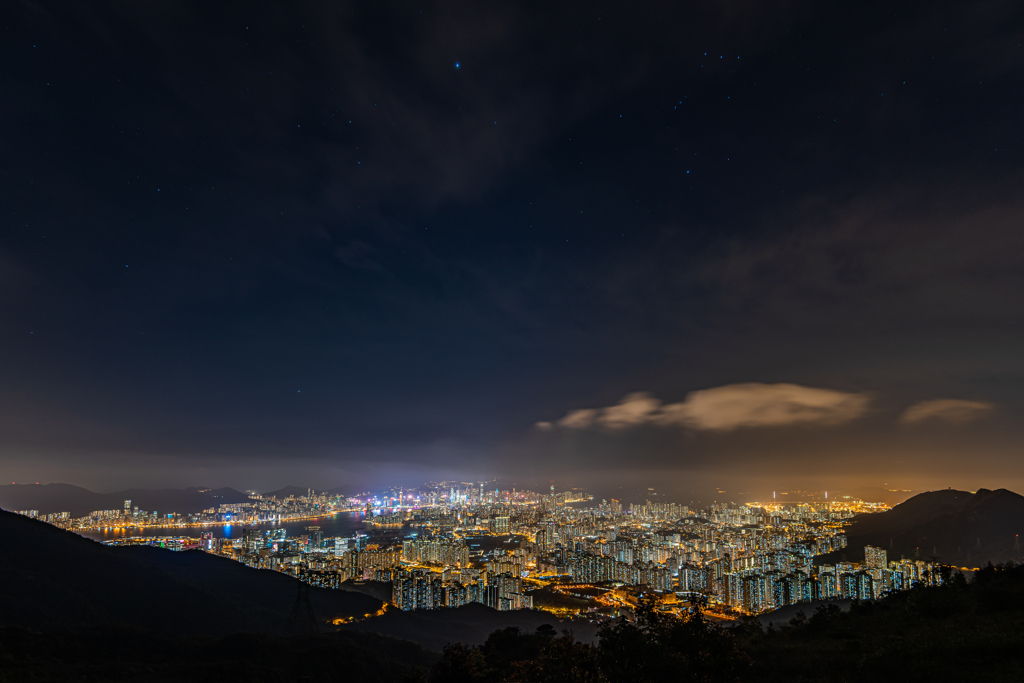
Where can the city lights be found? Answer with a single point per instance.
(453, 543)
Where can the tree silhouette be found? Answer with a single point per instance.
(659, 646)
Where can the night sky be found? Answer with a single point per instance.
(740, 244)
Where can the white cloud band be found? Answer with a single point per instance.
(725, 408)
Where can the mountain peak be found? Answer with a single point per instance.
(956, 527)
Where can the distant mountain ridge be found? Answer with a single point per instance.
(79, 501)
(49, 498)
(298, 491)
(286, 491)
(954, 527)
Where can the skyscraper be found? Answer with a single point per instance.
(316, 538)
(252, 539)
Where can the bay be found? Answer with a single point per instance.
(344, 524)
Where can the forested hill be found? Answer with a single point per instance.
(953, 527)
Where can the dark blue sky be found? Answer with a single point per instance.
(252, 244)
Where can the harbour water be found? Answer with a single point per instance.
(340, 524)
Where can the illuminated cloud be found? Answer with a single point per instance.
(764, 405)
(952, 410)
(725, 408)
(635, 409)
(578, 419)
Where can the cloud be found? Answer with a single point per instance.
(578, 419)
(764, 405)
(725, 408)
(952, 410)
(634, 409)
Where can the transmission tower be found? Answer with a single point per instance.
(302, 620)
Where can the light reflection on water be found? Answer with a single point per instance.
(340, 524)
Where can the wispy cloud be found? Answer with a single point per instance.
(724, 408)
(952, 410)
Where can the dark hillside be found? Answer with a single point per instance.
(108, 655)
(955, 527)
(54, 579)
(920, 509)
(959, 632)
(470, 625)
(969, 633)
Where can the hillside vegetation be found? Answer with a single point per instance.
(959, 632)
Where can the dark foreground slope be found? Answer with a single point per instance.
(959, 632)
(54, 579)
(72, 609)
(469, 625)
(954, 527)
(110, 655)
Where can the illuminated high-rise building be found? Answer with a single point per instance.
(875, 558)
(316, 538)
(827, 581)
(252, 539)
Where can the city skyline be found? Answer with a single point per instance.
(449, 544)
